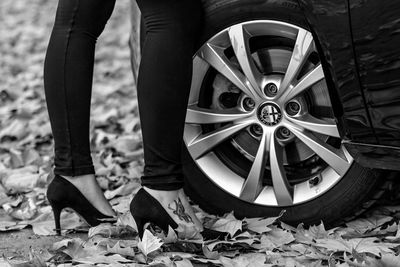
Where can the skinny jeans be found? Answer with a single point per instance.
(165, 73)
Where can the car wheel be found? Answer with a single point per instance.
(260, 134)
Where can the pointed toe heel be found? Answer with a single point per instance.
(62, 194)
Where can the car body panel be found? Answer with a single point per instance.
(329, 21)
(376, 37)
(375, 156)
(365, 79)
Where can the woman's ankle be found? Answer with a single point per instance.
(162, 195)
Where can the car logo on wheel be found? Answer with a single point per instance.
(270, 114)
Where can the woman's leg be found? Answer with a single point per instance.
(172, 28)
(68, 78)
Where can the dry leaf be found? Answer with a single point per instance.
(188, 232)
(360, 245)
(183, 263)
(248, 260)
(363, 225)
(229, 224)
(260, 225)
(149, 243)
(274, 239)
(126, 220)
(11, 226)
(112, 260)
(118, 249)
(123, 190)
(109, 230)
(209, 254)
(21, 182)
(171, 236)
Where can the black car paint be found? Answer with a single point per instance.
(360, 44)
(376, 37)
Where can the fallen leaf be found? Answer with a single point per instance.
(118, 249)
(231, 242)
(16, 129)
(209, 254)
(110, 231)
(171, 236)
(389, 260)
(11, 226)
(229, 224)
(361, 245)
(123, 190)
(44, 223)
(247, 260)
(260, 225)
(363, 225)
(149, 243)
(4, 262)
(21, 182)
(188, 232)
(274, 239)
(111, 260)
(183, 263)
(127, 144)
(395, 238)
(126, 220)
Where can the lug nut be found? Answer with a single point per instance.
(284, 132)
(293, 108)
(256, 130)
(271, 89)
(249, 104)
(314, 181)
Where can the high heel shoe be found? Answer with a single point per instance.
(145, 208)
(63, 194)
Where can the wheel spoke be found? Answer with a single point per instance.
(196, 115)
(253, 184)
(215, 56)
(308, 80)
(283, 190)
(240, 43)
(332, 156)
(301, 51)
(205, 143)
(313, 124)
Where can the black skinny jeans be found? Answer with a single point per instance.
(163, 84)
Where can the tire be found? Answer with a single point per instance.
(355, 191)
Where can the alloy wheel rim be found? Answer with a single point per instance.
(270, 102)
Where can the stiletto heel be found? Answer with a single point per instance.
(57, 213)
(62, 194)
(140, 226)
(145, 208)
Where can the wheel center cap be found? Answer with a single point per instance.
(270, 114)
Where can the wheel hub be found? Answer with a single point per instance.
(270, 114)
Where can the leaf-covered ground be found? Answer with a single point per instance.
(26, 148)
